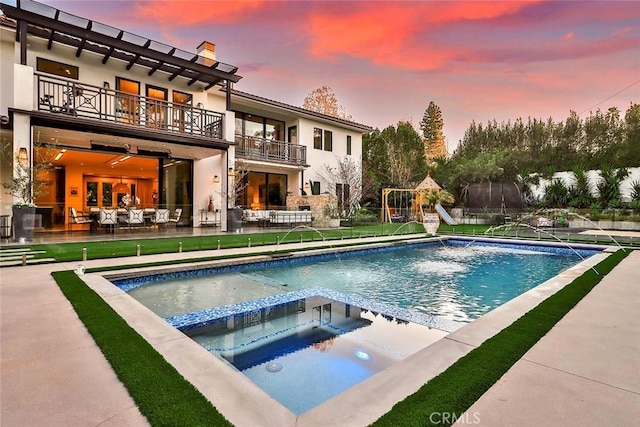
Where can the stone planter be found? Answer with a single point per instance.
(24, 222)
(334, 222)
(431, 222)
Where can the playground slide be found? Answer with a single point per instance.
(445, 215)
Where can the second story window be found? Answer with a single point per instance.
(156, 106)
(322, 139)
(128, 101)
(348, 145)
(181, 101)
(317, 138)
(328, 140)
(57, 68)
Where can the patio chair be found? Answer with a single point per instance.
(108, 219)
(161, 217)
(175, 220)
(135, 218)
(75, 219)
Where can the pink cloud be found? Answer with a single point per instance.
(190, 12)
(414, 36)
(623, 31)
(387, 33)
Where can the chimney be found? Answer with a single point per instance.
(207, 50)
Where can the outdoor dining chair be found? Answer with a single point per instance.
(135, 218)
(108, 219)
(161, 217)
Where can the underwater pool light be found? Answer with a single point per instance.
(274, 367)
(362, 355)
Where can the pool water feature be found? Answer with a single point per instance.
(304, 352)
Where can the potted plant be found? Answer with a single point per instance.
(25, 188)
(332, 213)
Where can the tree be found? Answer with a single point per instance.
(431, 126)
(433, 197)
(392, 157)
(323, 100)
(26, 183)
(238, 182)
(346, 179)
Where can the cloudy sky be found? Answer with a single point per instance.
(386, 60)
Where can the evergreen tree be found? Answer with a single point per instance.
(431, 126)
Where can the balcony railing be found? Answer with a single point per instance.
(83, 100)
(252, 148)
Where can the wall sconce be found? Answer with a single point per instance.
(216, 179)
(23, 156)
(200, 105)
(231, 172)
(106, 85)
(307, 187)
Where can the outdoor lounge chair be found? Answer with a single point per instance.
(76, 219)
(175, 220)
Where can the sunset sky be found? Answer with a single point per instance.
(386, 61)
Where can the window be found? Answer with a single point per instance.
(128, 101)
(156, 106)
(293, 134)
(315, 187)
(57, 68)
(328, 140)
(264, 191)
(180, 102)
(317, 138)
(342, 194)
(348, 145)
(258, 126)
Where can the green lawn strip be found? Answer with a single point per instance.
(163, 396)
(457, 388)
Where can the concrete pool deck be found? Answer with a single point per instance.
(583, 372)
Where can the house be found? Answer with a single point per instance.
(120, 115)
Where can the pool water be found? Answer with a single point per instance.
(305, 352)
(456, 282)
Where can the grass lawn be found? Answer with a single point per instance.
(165, 398)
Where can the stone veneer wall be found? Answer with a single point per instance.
(316, 203)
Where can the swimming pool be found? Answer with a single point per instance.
(197, 303)
(452, 280)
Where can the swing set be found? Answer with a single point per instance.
(406, 204)
(402, 204)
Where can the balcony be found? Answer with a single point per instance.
(76, 99)
(270, 150)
